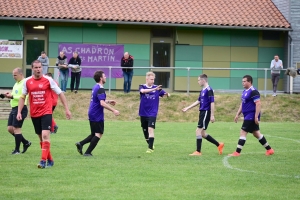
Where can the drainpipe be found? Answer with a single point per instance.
(291, 46)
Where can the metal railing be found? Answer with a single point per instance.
(189, 69)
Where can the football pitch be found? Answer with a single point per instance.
(120, 168)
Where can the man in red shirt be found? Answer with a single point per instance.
(54, 126)
(39, 88)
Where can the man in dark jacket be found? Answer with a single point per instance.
(74, 64)
(127, 65)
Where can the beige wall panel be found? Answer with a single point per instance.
(191, 37)
(216, 73)
(133, 36)
(244, 54)
(261, 85)
(271, 43)
(181, 84)
(216, 53)
(7, 65)
(136, 81)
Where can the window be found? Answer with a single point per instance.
(271, 35)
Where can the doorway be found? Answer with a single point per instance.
(162, 56)
(35, 41)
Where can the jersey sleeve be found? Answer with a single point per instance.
(54, 86)
(101, 94)
(24, 89)
(255, 96)
(211, 96)
(141, 87)
(162, 93)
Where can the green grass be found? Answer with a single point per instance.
(120, 168)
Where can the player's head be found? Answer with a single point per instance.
(61, 54)
(49, 74)
(18, 74)
(75, 54)
(276, 57)
(37, 69)
(247, 81)
(126, 55)
(202, 79)
(43, 54)
(99, 77)
(150, 77)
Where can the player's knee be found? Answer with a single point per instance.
(10, 129)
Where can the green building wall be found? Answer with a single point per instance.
(194, 48)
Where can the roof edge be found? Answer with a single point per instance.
(144, 23)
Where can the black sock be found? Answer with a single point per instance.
(87, 140)
(24, 141)
(18, 139)
(212, 140)
(198, 143)
(93, 144)
(151, 142)
(264, 142)
(240, 145)
(146, 134)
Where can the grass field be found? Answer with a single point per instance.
(120, 168)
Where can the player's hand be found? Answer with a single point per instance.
(236, 118)
(158, 87)
(68, 114)
(212, 119)
(116, 112)
(185, 109)
(112, 102)
(256, 121)
(167, 94)
(7, 95)
(19, 116)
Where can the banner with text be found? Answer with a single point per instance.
(11, 49)
(96, 55)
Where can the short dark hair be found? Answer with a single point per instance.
(249, 78)
(203, 76)
(49, 74)
(35, 61)
(98, 75)
(43, 52)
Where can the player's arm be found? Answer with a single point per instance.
(106, 106)
(238, 113)
(111, 102)
(20, 106)
(191, 106)
(8, 95)
(212, 111)
(61, 95)
(142, 90)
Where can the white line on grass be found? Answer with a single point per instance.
(226, 163)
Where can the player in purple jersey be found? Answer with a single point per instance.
(250, 107)
(207, 107)
(96, 114)
(149, 102)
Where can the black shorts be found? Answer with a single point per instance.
(249, 126)
(42, 123)
(204, 118)
(12, 119)
(148, 122)
(53, 108)
(97, 127)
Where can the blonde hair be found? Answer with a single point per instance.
(150, 74)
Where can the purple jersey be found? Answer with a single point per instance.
(249, 97)
(149, 102)
(96, 113)
(206, 97)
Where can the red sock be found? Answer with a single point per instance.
(45, 150)
(49, 157)
(52, 125)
